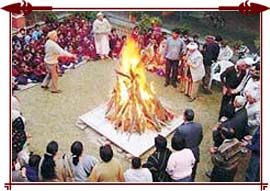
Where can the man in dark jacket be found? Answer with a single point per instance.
(210, 55)
(230, 79)
(239, 120)
(193, 134)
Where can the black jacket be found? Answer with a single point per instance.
(239, 123)
(230, 79)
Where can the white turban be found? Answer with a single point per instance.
(247, 61)
(241, 100)
(99, 14)
(51, 34)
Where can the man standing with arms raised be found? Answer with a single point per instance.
(52, 53)
(173, 51)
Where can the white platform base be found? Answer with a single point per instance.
(134, 144)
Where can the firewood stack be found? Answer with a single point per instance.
(133, 106)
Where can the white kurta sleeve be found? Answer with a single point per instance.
(60, 51)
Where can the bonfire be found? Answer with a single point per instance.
(133, 105)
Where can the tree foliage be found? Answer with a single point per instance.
(146, 22)
(88, 15)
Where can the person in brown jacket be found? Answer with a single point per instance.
(109, 169)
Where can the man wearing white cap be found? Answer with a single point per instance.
(52, 53)
(196, 68)
(250, 82)
(239, 121)
(230, 80)
(101, 30)
(253, 108)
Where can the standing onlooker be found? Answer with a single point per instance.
(230, 79)
(109, 170)
(136, 173)
(195, 68)
(82, 163)
(192, 133)
(181, 161)
(173, 52)
(195, 39)
(157, 162)
(101, 30)
(186, 37)
(252, 81)
(52, 53)
(210, 55)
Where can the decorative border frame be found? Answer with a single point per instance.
(26, 8)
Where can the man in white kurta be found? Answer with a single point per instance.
(101, 30)
(197, 70)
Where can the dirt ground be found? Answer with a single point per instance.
(53, 116)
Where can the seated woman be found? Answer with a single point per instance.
(82, 164)
(181, 161)
(136, 173)
(50, 169)
(157, 161)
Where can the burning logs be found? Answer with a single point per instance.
(133, 106)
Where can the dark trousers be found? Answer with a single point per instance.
(222, 175)
(194, 169)
(171, 71)
(207, 76)
(226, 100)
(253, 171)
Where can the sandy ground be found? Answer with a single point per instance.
(53, 116)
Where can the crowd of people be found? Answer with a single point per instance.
(235, 134)
(38, 52)
(98, 40)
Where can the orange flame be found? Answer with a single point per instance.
(134, 106)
